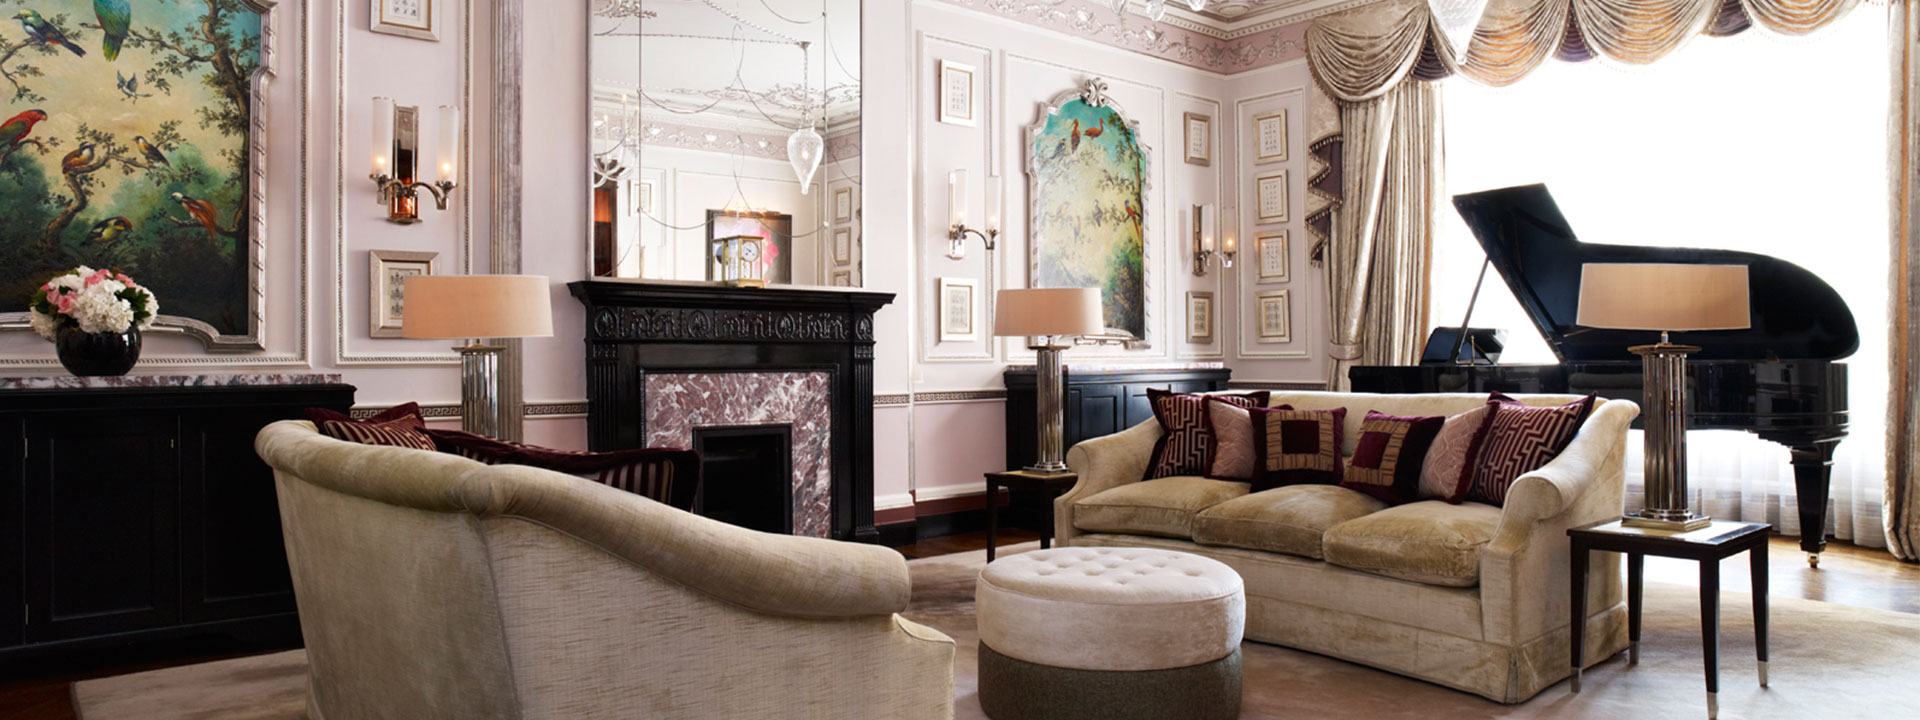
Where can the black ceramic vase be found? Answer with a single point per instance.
(102, 353)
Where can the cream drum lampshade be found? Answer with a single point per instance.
(1028, 312)
(1667, 297)
(477, 306)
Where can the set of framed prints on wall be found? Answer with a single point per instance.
(841, 266)
(1273, 311)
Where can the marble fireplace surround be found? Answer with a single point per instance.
(677, 403)
(664, 358)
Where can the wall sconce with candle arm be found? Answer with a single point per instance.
(396, 143)
(957, 230)
(1206, 225)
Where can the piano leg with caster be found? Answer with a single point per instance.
(1812, 479)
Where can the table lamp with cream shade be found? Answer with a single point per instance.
(1667, 298)
(1049, 318)
(473, 308)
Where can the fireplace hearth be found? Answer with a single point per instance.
(746, 476)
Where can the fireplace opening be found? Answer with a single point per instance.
(746, 476)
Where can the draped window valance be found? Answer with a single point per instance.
(1358, 61)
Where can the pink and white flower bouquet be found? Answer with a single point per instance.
(94, 301)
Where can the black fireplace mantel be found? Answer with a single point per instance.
(637, 328)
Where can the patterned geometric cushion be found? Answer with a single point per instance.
(397, 426)
(1523, 438)
(1391, 452)
(1186, 444)
(1231, 427)
(1448, 473)
(1296, 447)
(663, 475)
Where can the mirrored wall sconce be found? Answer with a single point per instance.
(957, 229)
(1206, 229)
(396, 153)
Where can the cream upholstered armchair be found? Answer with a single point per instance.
(432, 586)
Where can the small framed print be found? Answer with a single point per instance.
(957, 310)
(842, 278)
(1272, 247)
(843, 206)
(419, 19)
(843, 246)
(1274, 312)
(1270, 189)
(1270, 137)
(1199, 138)
(956, 93)
(387, 272)
(641, 203)
(1200, 317)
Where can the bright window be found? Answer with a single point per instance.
(1757, 143)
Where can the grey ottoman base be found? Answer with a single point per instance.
(1013, 689)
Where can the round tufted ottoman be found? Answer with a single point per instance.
(1109, 633)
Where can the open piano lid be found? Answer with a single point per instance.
(1796, 315)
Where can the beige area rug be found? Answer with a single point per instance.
(1829, 661)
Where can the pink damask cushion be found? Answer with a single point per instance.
(1448, 472)
(1187, 444)
(1231, 426)
(1389, 455)
(1522, 439)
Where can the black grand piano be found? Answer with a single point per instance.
(1780, 379)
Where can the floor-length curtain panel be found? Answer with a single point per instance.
(1903, 400)
(1396, 305)
(1376, 260)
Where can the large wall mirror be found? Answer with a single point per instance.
(726, 138)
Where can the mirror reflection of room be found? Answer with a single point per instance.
(726, 141)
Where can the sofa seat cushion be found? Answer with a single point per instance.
(1287, 520)
(1162, 506)
(1427, 542)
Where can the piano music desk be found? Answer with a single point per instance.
(1708, 546)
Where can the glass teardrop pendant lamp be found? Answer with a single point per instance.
(803, 150)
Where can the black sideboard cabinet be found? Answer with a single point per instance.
(1098, 402)
(138, 524)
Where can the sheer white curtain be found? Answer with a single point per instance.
(1757, 142)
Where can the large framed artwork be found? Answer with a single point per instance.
(129, 142)
(1087, 175)
(774, 252)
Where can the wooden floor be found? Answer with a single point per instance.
(1848, 575)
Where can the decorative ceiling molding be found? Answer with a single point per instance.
(1207, 41)
(694, 137)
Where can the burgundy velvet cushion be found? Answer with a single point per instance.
(665, 475)
(1522, 439)
(1296, 447)
(1186, 443)
(397, 426)
(1389, 456)
(1448, 471)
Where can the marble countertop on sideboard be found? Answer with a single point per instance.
(69, 382)
(1130, 367)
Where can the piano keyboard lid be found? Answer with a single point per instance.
(1795, 314)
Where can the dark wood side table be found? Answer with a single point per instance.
(1025, 487)
(1708, 546)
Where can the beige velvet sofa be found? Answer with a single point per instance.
(432, 586)
(1469, 596)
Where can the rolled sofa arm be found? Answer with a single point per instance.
(1104, 463)
(775, 574)
(1553, 488)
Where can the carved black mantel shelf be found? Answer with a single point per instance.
(637, 328)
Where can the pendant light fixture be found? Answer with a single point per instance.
(804, 145)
